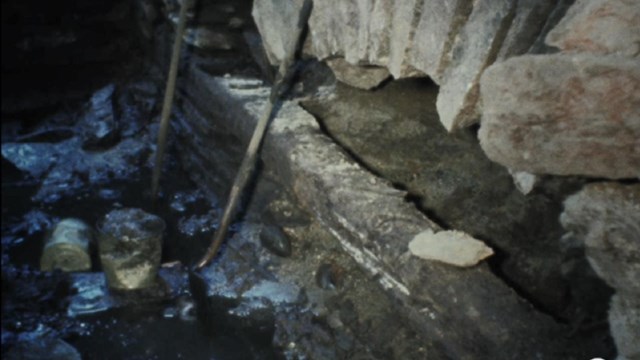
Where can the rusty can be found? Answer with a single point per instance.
(67, 247)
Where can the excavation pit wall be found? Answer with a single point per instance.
(455, 312)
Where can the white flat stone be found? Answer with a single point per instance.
(450, 247)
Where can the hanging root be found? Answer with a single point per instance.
(168, 100)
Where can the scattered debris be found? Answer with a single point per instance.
(275, 240)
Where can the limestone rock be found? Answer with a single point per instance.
(599, 26)
(450, 247)
(450, 41)
(402, 35)
(357, 76)
(275, 20)
(394, 34)
(529, 21)
(624, 321)
(475, 48)
(360, 31)
(563, 114)
(606, 216)
(439, 23)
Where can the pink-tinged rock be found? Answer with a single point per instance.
(563, 114)
(599, 26)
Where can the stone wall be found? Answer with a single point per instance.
(575, 112)
(450, 41)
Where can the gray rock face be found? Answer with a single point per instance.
(474, 49)
(401, 36)
(275, 20)
(601, 27)
(606, 216)
(348, 29)
(540, 121)
(360, 77)
(624, 321)
(529, 22)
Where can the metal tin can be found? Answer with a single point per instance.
(67, 247)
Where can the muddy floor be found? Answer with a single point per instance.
(281, 288)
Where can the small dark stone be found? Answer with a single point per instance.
(275, 240)
(328, 276)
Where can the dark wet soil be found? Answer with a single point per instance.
(33, 299)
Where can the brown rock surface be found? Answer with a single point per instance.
(601, 27)
(563, 114)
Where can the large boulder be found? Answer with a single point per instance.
(606, 217)
(563, 114)
(450, 41)
(599, 26)
(474, 49)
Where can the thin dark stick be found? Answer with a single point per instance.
(248, 163)
(168, 101)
